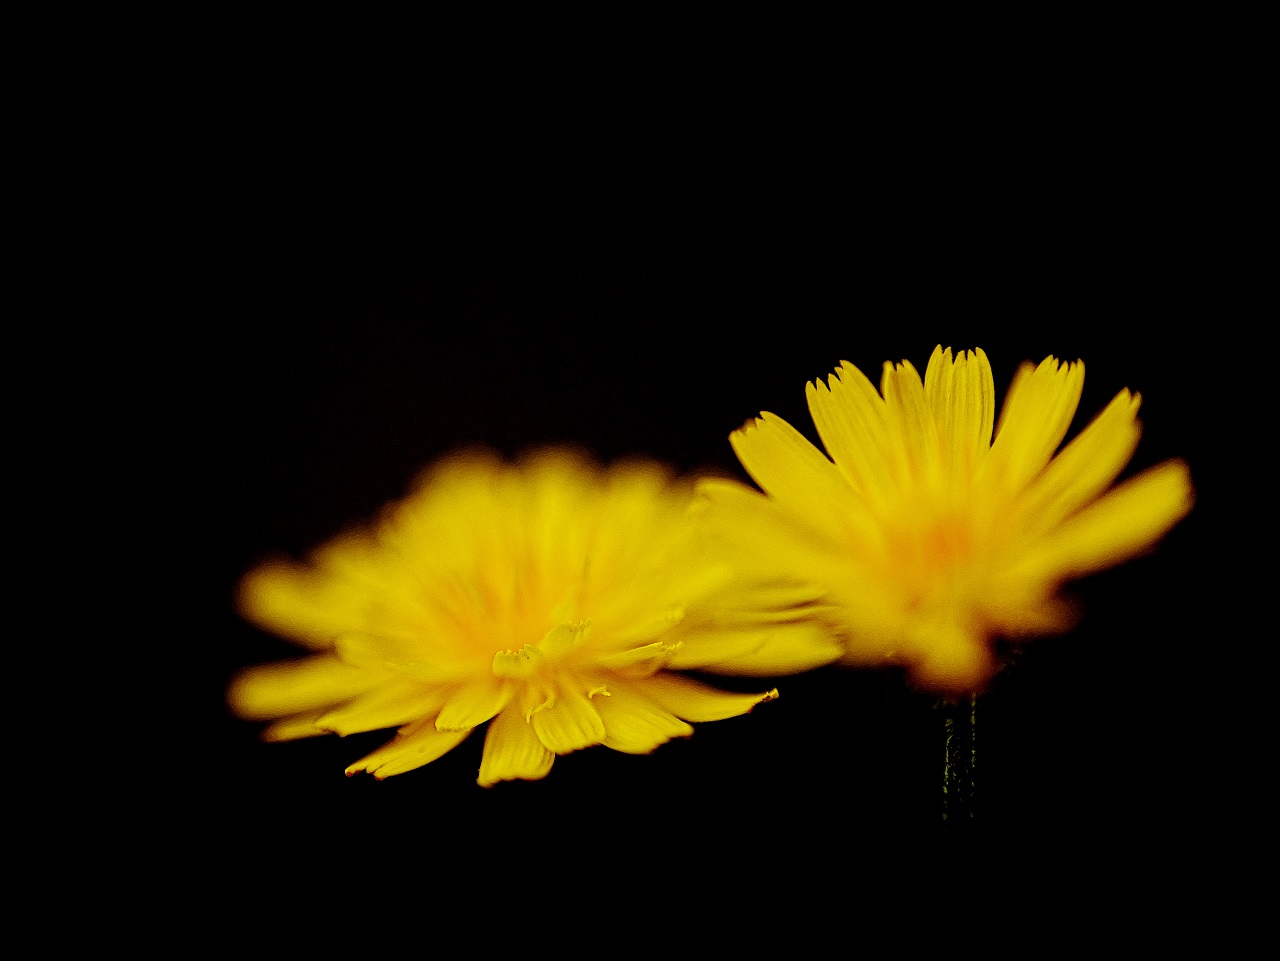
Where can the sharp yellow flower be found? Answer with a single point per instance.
(927, 538)
(551, 599)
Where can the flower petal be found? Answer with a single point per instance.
(1084, 468)
(512, 750)
(635, 723)
(785, 464)
(760, 650)
(292, 687)
(394, 703)
(742, 519)
(913, 436)
(851, 419)
(305, 605)
(692, 701)
(474, 704)
(962, 397)
(1126, 522)
(417, 744)
(569, 724)
(294, 728)
(1036, 415)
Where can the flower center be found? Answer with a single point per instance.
(533, 660)
(928, 557)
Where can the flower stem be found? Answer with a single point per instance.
(960, 721)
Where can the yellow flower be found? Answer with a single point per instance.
(551, 599)
(926, 538)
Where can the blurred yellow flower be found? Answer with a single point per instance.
(551, 598)
(926, 538)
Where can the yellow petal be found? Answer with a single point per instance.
(512, 750)
(760, 650)
(304, 605)
(962, 397)
(394, 703)
(295, 728)
(635, 723)
(1036, 415)
(1125, 522)
(570, 724)
(292, 687)
(417, 744)
(1085, 466)
(785, 464)
(693, 701)
(387, 653)
(753, 525)
(474, 704)
(647, 656)
(851, 420)
(913, 447)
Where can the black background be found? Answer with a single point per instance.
(365, 323)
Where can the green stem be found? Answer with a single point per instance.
(960, 720)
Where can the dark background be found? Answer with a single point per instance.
(366, 324)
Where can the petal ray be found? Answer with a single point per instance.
(1035, 417)
(961, 394)
(570, 724)
(417, 744)
(388, 705)
(473, 704)
(783, 462)
(635, 724)
(291, 687)
(1125, 522)
(513, 751)
(851, 419)
(691, 701)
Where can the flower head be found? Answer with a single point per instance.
(551, 599)
(928, 538)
